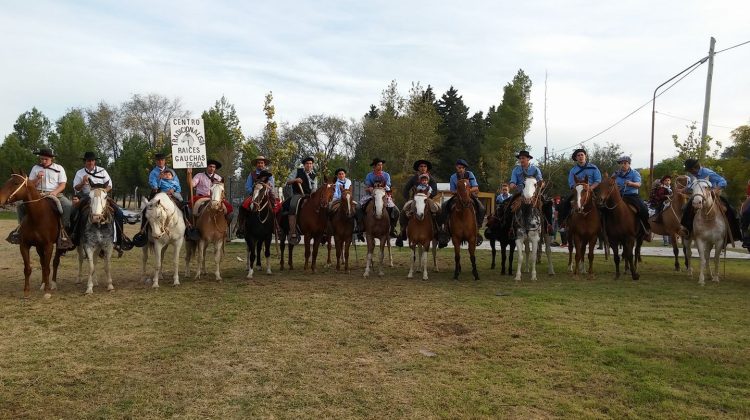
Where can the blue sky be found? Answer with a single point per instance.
(603, 59)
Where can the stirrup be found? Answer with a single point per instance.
(14, 236)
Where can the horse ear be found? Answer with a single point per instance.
(22, 172)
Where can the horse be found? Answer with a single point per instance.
(527, 225)
(745, 217)
(463, 227)
(312, 220)
(39, 228)
(669, 225)
(377, 225)
(421, 233)
(96, 237)
(620, 224)
(166, 227)
(500, 229)
(211, 222)
(342, 225)
(709, 228)
(584, 225)
(259, 228)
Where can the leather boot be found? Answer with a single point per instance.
(293, 235)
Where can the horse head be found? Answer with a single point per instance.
(583, 193)
(420, 202)
(702, 196)
(463, 192)
(217, 195)
(98, 204)
(15, 188)
(529, 189)
(326, 193)
(609, 193)
(346, 200)
(260, 196)
(378, 196)
(161, 212)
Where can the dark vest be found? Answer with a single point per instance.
(306, 181)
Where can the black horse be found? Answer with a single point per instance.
(259, 227)
(500, 229)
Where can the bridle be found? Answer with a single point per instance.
(23, 184)
(164, 225)
(585, 201)
(262, 204)
(106, 216)
(464, 201)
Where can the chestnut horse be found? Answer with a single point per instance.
(621, 225)
(377, 226)
(40, 228)
(584, 225)
(342, 224)
(669, 224)
(259, 228)
(463, 226)
(312, 220)
(212, 225)
(420, 231)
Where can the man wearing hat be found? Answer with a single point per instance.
(377, 175)
(91, 174)
(695, 170)
(203, 181)
(302, 182)
(582, 169)
(50, 180)
(463, 172)
(421, 167)
(160, 164)
(261, 165)
(629, 181)
(523, 170)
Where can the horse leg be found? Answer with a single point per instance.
(630, 258)
(201, 257)
(290, 262)
(92, 269)
(675, 251)
(717, 257)
(251, 256)
(519, 263)
(26, 270)
(702, 257)
(107, 266)
(268, 255)
(316, 245)
(307, 252)
(534, 254)
(188, 257)
(281, 251)
(80, 264)
(456, 258)
(55, 266)
(390, 255)
(687, 249)
(382, 254)
(368, 260)
(157, 264)
(177, 247)
(46, 260)
(144, 260)
(472, 257)
(434, 255)
(328, 259)
(548, 250)
(346, 244)
(339, 251)
(424, 252)
(616, 256)
(218, 253)
(511, 253)
(413, 258)
(492, 246)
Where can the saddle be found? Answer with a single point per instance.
(202, 204)
(56, 205)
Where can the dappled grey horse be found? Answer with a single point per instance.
(97, 237)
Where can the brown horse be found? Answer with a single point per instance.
(377, 225)
(420, 231)
(584, 225)
(621, 225)
(313, 222)
(669, 222)
(212, 225)
(342, 224)
(40, 228)
(463, 227)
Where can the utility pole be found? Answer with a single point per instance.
(707, 103)
(546, 142)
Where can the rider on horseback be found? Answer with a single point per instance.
(260, 163)
(50, 181)
(342, 183)
(84, 178)
(582, 169)
(462, 172)
(422, 167)
(629, 181)
(518, 176)
(378, 175)
(203, 181)
(659, 196)
(302, 183)
(718, 183)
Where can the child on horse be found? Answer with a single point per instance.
(421, 167)
(629, 181)
(302, 183)
(342, 183)
(377, 176)
(659, 195)
(463, 172)
(582, 169)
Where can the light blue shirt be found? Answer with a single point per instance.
(581, 172)
(371, 178)
(339, 186)
(622, 177)
(454, 180)
(154, 176)
(715, 179)
(169, 184)
(501, 197)
(518, 176)
(249, 184)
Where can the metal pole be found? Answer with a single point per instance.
(707, 104)
(546, 141)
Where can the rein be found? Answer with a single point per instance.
(23, 184)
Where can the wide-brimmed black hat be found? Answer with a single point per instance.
(263, 174)
(160, 156)
(336, 172)
(308, 159)
(690, 164)
(45, 152)
(214, 162)
(577, 151)
(422, 162)
(89, 156)
(462, 163)
(375, 161)
(524, 153)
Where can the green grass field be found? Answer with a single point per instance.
(336, 345)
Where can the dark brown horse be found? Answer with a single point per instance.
(584, 225)
(463, 226)
(40, 228)
(313, 222)
(621, 225)
(342, 224)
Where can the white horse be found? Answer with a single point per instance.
(96, 237)
(709, 229)
(212, 224)
(527, 223)
(166, 226)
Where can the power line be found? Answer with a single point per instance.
(733, 46)
(691, 120)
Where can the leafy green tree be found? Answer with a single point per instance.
(105, 123)
(281, 153)
(455, 129)
(131, 169)
(741, 143)
(736, 167)
(224, 136)
(605, 157)
(71, 139)
(32, 128)
(150, 115)
(693, 147)
(320, 136)
(15, 156)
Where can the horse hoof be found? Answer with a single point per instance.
(111, 288)
(409, 276)
(175, 284)
(155, 286)
(268, 272)
(48, 295)
(89, 292)
(381, 274)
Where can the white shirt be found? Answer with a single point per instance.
(54, 175)
(98, 176)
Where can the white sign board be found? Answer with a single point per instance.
(188, 143)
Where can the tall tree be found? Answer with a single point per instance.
(224, 136)
(457, 139)
(131, 170)
(281, 153)
(507, 128)
(320, 136)
(15, 156)
(32, 129)
(149, 116)
(71, 139)
(105, 123)
(736, 167)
